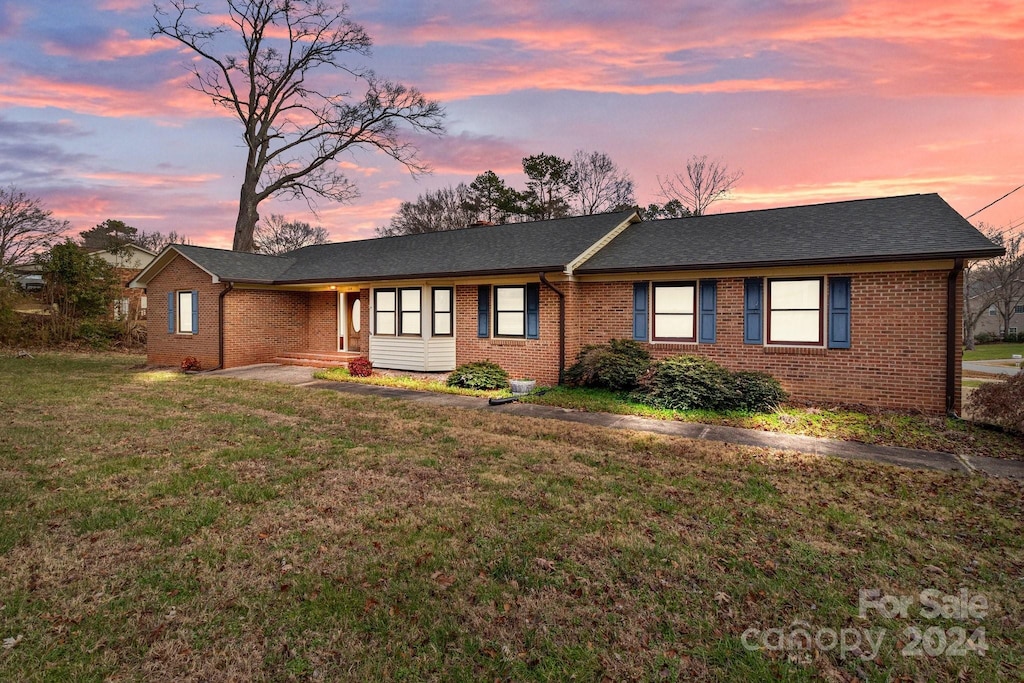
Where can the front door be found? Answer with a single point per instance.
(352, 312)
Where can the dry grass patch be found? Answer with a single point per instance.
(213, 529)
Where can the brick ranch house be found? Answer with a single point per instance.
(855, 302)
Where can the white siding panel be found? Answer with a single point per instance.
(440, 354)
(397, 353)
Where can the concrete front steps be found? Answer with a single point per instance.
(316, 360)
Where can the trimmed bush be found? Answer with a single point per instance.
(617, 365)
(190, 364)
(360, 367)
(696, 383)
(479, 375)
(1000, 403)
(757, 392)
(687, 383)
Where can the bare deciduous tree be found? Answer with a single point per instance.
(449, 208)
(275, 235)
(600, 184)
(295, 130)
(704, 183)
(156, 240)
(978, 295)
(1003, 277)
(26, 228)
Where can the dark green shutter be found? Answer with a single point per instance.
(640, 311)
(533, 310)
(839, 312)
(483, 310)
(171, 327)
(752, 298)
(195, 311)
(708, 306)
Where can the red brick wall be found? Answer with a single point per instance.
(323, 323)
(522, 358)
(169, 349)
(259, 324)
(897, 358)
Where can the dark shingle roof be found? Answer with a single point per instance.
(236, 265)
(892, 228)
(512, 248)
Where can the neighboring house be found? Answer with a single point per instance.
(991, 322)
(853, 302)
(128, 261)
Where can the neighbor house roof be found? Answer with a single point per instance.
(910, 227)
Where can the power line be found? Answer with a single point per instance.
(995, 202)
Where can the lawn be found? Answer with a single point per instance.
(883, 428)
(163, 526)
(993, 351)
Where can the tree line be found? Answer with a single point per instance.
(587, 184)
(996, 283)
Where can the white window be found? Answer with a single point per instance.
(442, 311)
(510, 311)
(794, 311)
(410, 303)
(185, 312)
(121, 309)
(991, 310)
(674, 306)
(397, 311)
(1018, 309)
(385, 308)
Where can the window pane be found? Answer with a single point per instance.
(673, 299)
(673, 326)
(184, 311)
(385, 322)
(443, 300)
(796, 294)
(442, 323)
(511, 299)
(794, 326)
(410, 300)
(357, 308)
(410, 322)
(385, 301)
(511, 324)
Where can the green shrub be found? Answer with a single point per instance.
(757, 391)
(98, 333)
(617, 365)
(696, 383)
(1000, 403)
(479, 375)
(687, 383)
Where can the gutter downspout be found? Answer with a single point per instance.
(951, 308)
(220, 324)
(561, 326)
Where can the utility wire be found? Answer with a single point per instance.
(995, 202)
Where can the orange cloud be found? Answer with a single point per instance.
(119, 45)
(171, 99)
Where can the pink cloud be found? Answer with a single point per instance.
(119, 45)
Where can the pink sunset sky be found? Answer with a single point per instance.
(813, 101)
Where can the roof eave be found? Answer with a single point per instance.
(419, 276)
(985, 253)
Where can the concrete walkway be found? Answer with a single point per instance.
(848, 450)
(991, 367)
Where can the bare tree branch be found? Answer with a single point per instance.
(296, 132)
(601, 185)
(26, 228)
(275, 235)
(704, 183)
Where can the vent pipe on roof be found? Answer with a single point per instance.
(951, 335)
